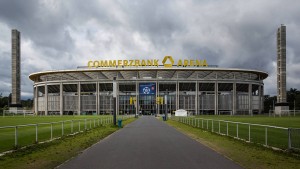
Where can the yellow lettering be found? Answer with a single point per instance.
(191, 62)
(96, 64)
(90, 64)
(185, 62)
(150, 62)
(125, 62)
(119, 62)
(198, 63)
(155, 62)
(130, 62)
(179, 62)
(104, 63)
(137, 63)
(112, 63)
(143, 63)
(204, 63)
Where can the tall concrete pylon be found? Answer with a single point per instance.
(16, 68)
(281, 105)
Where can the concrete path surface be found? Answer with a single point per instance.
(148, 143)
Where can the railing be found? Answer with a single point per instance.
(17, 112)
(284, 113)
(270, 136)
(12, 137)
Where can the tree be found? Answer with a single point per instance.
(292, 96)
(269, 103)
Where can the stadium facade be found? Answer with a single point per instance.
(149, 87)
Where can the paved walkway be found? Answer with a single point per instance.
(149, 143)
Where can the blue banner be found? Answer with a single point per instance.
(147, 88)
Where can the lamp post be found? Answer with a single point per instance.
(115, 101)
(166, 104)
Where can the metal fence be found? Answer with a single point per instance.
(12, 137)
(284, 113)
(17, 113)
(270, 136)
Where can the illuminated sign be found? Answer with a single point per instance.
(167, 62)
(147, 88)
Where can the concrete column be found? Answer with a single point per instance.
(196, 98)
(216, 99)
(260, 98)
(250, 98)
(97, 98)
(36, 100)
(234, 99)
(61, 105)
(46, 99)
(79, 98)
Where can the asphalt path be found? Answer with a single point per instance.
(148, 143)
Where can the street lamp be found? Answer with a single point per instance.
(166, 104)
(115, 101)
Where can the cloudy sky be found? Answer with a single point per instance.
(60, 34)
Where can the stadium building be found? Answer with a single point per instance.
(149, 87)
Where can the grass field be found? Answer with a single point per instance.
(51, 154)
(285, 121)
(249, 156)
(26, 135)
(270, 136)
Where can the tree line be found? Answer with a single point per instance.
(6, 100)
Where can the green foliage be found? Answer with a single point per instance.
(293, 98)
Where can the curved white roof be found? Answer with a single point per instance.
(129, 73)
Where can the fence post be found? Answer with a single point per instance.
(212, 125)
(207, 124)
(249, 133)
(227, 128)
(79, 126)
(98, 122)
(72, 126)
(36, 133)
(202, 123)
(266, 136)
(90, 123)
(289, 141)
(51, 131)
(198, 123)
(16, 136)
(62, 128)
(219, 127)
(94, 123)
(84, 124)
(237, 130)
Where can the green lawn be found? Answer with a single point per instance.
(27, 134)
(276, 137)
(249, 156)
(285, 121)
(51, 154)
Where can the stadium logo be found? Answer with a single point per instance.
(146, 90)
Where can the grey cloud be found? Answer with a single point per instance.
(229, 34)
